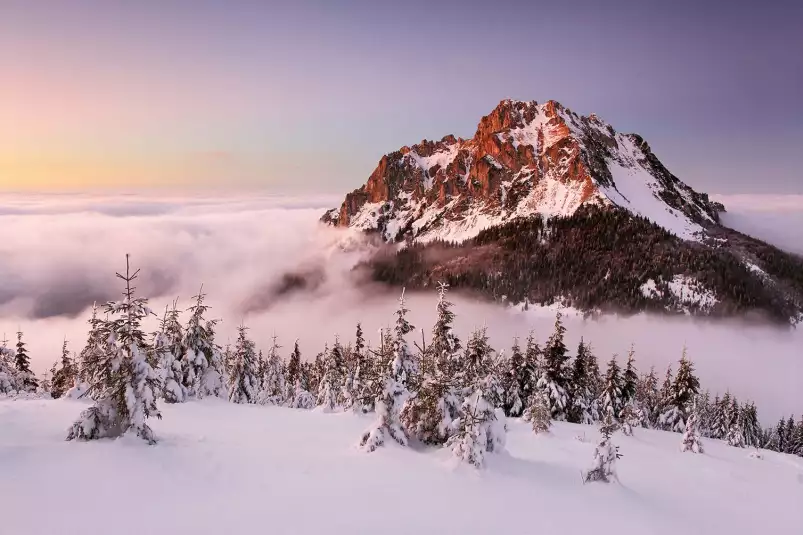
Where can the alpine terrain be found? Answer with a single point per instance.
(544, 205)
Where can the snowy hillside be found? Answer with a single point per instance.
(227, 468)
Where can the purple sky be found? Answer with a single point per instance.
(309, 95)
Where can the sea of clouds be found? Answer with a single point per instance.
(60, 253)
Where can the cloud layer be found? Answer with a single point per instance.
(266, 262)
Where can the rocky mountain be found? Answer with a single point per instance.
(543, 204)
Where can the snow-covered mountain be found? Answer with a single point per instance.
(545, 205)
(525, 159)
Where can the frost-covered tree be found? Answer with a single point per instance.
(539, 413)
(292, 374)
(478, 359)
(121, 374)
(429, 415)
(330, 390)
(605, 454)
(748, 421)
(26, 379)
(721, 417)
(515, 381)
(480, 429)
(299, 395)
(395, 391)
(204, 364)
(683, 391)
(8, 373)
(273, 378)
(611, 399)
(704, 409)
(555, 378)
(168, 343)
(691, 436)
(629, 417)
(533, 368)
(63, 374)
(364, 375)
(630, 378)
(648, 398)
(583, 408)
(243, 380)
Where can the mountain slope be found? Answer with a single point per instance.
(545, 205)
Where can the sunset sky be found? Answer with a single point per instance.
(304, 95)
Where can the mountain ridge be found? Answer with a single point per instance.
(511, 211)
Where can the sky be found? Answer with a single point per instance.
(308, 95)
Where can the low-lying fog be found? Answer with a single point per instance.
(60, 253)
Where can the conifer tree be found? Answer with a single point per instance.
(429, 415)
(27, 381)
(540, 415)
(705, 414)
(170, 353)
(121, 374)
(330, 390)
(611, 400)
(721, 417)
(63, 377)
(630, 378)
(648, 397)
(363, 374)
(583, 408)
(396, 378)
(480, 429)
(691, 436)
(515, 381)
(243, 380)
(790, 435)
(8, 373)
(204, 365)
(605, 454)
(477, 361)
(273, 379)
(293, 373)
(533, 368)
(555, 378)
(630, 416)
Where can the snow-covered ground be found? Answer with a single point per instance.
(223, 468)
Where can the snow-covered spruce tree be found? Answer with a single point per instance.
(395, 388)
(665, 398)
(748, 421)
(584, 406)
(540, 415)
(479, 429)
(429, 415)
(273, 378)
(720, 418)
(605, 454)
(515, 381)
(735, 434)
(478, 359)
(243, 380)
(300, 396)
(64, 373)
(611, 399)
(204, 365)
(630, 377)
(330, 390)
(533, 358)
(648, 398)
(26, 380)
(362, 382)
(704, 410)
(8, 373)
(168, 343)
(316, 370)
(630, 416)
(555, 377)
(121, 374)
(691, 436)
(684, 389)
(292, 374)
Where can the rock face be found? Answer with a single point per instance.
(525, 159)
(544, 205)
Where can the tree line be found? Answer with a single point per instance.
(442, 392)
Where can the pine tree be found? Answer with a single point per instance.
(395, 391)
(630, 416)
(515, 381)
(273, 379)
(293, 374)
(363, 375)
(605, 454)
(170, 354)
(533, 369)
(243, 380)
(555, 378)
(611, 400)
(630, 378)
(720, 423)
(8, 373)
(665, 397)
(330, 390)
(63, 377)
(27, 381)
(583, 408)
(477, 360)
(540, 415)
(684, 389)
(735, 434)
(480, 429)
(121, 375)
(429, 415)
(648, 398)
(705, 413)
(691, 436)
(790, 436)
(204, 365)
